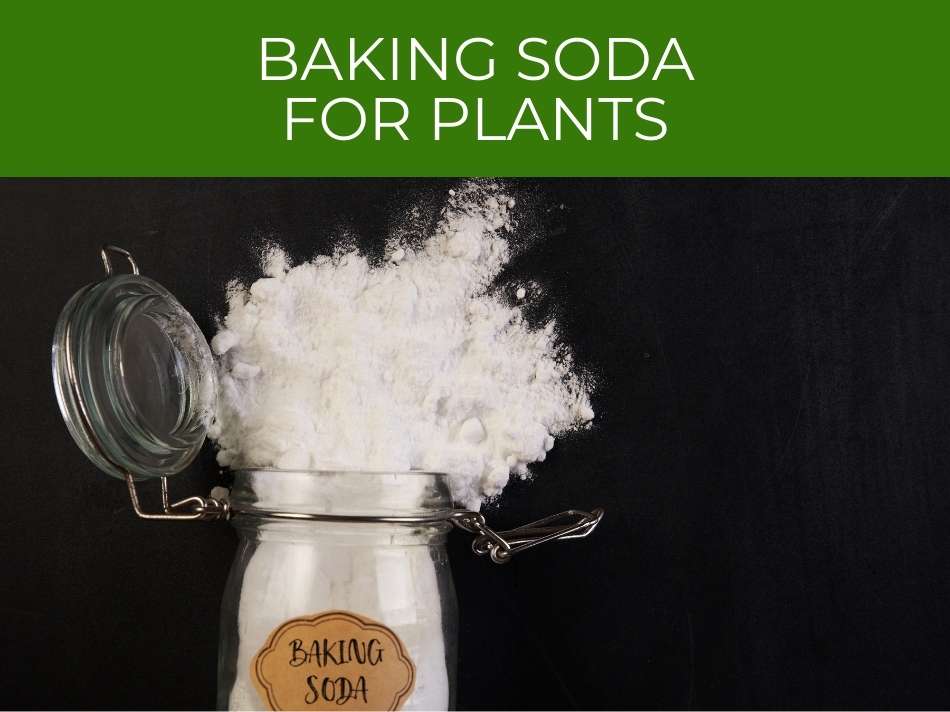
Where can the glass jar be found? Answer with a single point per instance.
(368, 544)
(340, 593)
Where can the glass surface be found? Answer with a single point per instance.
(153, 373)
(134, 377)
(397, 574)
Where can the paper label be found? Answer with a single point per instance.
(333, 661)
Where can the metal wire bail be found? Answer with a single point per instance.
(500, 546)
(107, 261)
(193, 508)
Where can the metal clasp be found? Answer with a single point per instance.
(106, 252)
(194, 508)
(502, 545)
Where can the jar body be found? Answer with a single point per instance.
(390, 572)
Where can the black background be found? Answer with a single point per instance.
(772, 447)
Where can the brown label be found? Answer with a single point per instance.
(332, 661)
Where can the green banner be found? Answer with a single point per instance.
(476, 88)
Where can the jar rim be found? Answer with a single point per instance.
(341, 494)
(356, 472)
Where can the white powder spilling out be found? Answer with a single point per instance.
(412, 363)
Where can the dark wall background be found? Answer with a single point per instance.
(772, 448)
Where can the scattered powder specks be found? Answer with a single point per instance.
(411, 363)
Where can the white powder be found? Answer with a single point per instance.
(412, 363)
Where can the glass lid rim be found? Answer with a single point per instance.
(70, 361)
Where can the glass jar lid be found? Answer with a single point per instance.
(134, 376)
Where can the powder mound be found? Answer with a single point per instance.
(338, 363)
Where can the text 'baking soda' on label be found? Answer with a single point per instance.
(333, 660)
